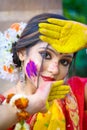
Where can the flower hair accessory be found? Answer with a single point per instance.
(8, 70)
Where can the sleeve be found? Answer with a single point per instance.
(2, 98)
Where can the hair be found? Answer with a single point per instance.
(30, 35)
(72, 68)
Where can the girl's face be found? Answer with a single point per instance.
(55, 65)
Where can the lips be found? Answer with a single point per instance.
(45, 78)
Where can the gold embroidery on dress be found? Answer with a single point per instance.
(72, 107)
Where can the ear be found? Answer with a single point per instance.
(22, 54)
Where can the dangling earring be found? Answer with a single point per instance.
(22, 77)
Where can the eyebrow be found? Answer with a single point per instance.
(67, 56)
(49, 49)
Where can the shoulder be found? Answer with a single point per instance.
(77, 78)
(77, 82)
(78, 86)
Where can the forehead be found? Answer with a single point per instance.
(44, 45)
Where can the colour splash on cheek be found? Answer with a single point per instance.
(31, 69)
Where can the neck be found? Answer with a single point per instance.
(26, 88)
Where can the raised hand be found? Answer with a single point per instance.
(48, 92)
(40, 98)
(64, 35)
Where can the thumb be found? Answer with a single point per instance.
(44, 89)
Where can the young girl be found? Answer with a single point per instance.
(47, 103)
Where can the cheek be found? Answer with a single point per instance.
(31, 69)
(64, 72)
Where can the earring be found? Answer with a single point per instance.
(22, 77)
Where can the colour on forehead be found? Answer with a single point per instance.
(31, 69)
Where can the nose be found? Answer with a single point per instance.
(53, 68)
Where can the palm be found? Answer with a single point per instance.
(63, 35)
(72, 37)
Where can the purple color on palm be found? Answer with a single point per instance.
(31, 69)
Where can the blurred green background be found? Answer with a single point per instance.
(77, 10)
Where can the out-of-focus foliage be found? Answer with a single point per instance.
(77, 10)
(81, 63)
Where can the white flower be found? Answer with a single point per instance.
(23, 126)
(18, 126)
(8, 70)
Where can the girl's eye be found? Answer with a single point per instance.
(45, 55)
(65, 62)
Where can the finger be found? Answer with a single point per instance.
(58, 83)
(54, 93)
(57, 21)
(50, 27)
(56, 97)
(44, 90)
(46, 39)
(61, 88)
(49, 33)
